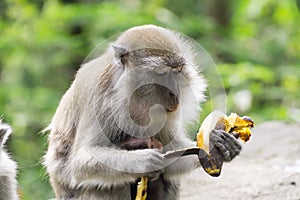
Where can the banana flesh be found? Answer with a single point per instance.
(238, 126)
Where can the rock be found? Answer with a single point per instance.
(266, 169)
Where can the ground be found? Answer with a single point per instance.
(268, 168)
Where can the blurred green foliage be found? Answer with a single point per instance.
(255, 45)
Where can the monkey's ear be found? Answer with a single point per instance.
(120, 54)
(5, 131)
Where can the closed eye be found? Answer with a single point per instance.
(178, 69)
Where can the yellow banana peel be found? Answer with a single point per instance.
(142, 189)
(238, 126)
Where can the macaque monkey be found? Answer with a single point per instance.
(8, 168)
(124, 110)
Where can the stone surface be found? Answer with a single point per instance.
(268, 168)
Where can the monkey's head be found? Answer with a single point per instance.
(159, 77)
(152, 78)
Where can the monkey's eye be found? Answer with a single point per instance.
(178, 68)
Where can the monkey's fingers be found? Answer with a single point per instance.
(238, 126)
(214, 138)
(152, 175)
(228, 146)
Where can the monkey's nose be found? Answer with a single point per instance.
(173, 102)
(174, 98)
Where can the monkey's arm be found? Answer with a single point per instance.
(108, 166)
(181, 164)
(224, 147)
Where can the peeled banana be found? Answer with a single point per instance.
(238, 126)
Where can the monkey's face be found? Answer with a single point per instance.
(154, 80)
(146, 96)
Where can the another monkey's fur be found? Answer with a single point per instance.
(8, 182)
(144, 85)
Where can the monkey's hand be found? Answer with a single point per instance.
(223, 147)
(227, 147)
(151, 163)
(217, 139)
